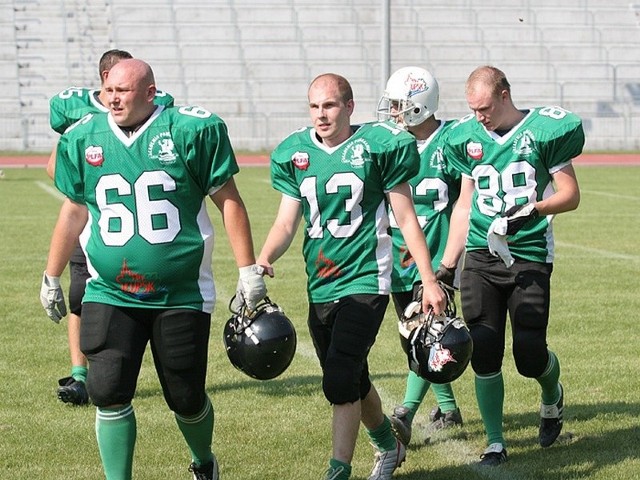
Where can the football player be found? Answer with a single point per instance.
(411, 99)
(138, 178)
(66, 108)
(340, 177)
(516, 175)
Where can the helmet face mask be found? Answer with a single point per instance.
(438, 347)
(410, 97)
(261, 345)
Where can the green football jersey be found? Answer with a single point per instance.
(70, 105)
(515, 169)
(435, 190)
(149, 238)
(347, 245)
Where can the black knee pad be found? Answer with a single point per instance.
(104, 383)
(488, 350)
(343, 381)
(180, 346)
(530, 355)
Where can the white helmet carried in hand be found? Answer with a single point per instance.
(411, 92)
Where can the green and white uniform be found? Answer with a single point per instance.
(70, 105)
(347, 245)
(515, 169)
(435, 190)
(148, 239)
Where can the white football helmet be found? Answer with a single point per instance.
(411, 92)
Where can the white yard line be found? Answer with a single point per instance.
(611, 195)
(50, 190)
(602, 253)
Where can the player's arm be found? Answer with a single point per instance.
(251, 288)
(236, 222)
(404, 212)
(566, 196)
(282, 231)
(51, 164)
(71, 221)
(459, 225)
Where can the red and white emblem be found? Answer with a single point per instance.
(439, 357)
(300, 160)
(93, 155)
(474, 150)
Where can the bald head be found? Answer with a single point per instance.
(131, 89)
(137, 70)
(488, 76)
(333, 81)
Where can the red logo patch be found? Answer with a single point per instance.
(93, 155)
(474, 150)
(300, 160)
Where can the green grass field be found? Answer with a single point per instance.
(280, 429)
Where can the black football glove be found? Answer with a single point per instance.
(518, 215)
(446, 275)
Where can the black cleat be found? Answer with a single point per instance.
(208, 471)
(440, 421)
(493, 456)
(72, 391)
(551, 421)
(400, 424)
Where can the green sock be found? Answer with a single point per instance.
(116, 434)
(490, 396)
(198, 433)
(336, 465)
(444, 396)
(382, 437)
(417, 388)
(79, 373)
(549, 380)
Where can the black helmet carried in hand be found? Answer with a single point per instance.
(261, 343)
(438, 347)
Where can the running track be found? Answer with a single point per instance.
(256, 160)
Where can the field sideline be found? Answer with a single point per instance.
(279, 430)
(17, 161)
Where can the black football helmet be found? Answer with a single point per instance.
(260, 343)
(438, 347)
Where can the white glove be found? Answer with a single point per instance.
(52, 298)
(497, 240)
(251, 287)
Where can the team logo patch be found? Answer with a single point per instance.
(357, 153)
(415, 85)
(161, 148)
(474, 150)
(439, 357)
(326, 267)
(300, 160)
(94, 156)
(523, 143)
(437, 159)
(136, 284)
(407, 263)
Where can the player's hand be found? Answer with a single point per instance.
(52, 298)
(433, 297)
(251, 287)
(518, 215)
(446, 275)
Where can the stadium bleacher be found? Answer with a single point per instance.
(250, 61)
